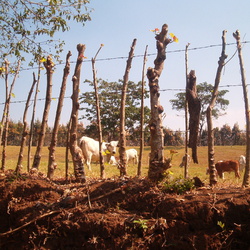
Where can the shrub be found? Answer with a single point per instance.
(178, 185)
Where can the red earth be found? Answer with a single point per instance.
(128, 213)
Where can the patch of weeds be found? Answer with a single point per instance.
(12, 177)
(178, 185)
(142, 224)
(221, 225)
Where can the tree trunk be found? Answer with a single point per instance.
(122, 142)
(6, 100)
(97, 102)
(7, 109)
(210, 131)
(52, 158)
(244, 86)
(157, 163)
(186, 117)
(49, 65)
(194, 107)
(25, 127)
(142, 114)
(33, 117)
(76, 151)
(67, 151)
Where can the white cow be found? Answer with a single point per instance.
(131, 155)
(90, 149)
(242, 161)
(112, 160)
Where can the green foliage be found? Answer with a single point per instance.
(110, 100)
(178, 185)
(172, 138)
(221, 225)
(23, 22)
(141, 223)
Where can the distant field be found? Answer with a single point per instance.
(221, 153)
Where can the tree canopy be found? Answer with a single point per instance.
(204, 91)
(29, 26)
(110, 99)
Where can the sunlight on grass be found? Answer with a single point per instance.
(221, 153)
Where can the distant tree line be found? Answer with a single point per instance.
(16, 130)
(223, 136)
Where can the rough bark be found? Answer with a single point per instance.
(75, 150)
(49, 65)
(25, 127)
(97, 102)
(245, 94)
(142, 114)
(67, 151)
(33, 118)
(7, 109)
(157, 163)
(221, 62)
(122, 142)
(3, 120)
(194, 107)
(52, 148)
(186, 117)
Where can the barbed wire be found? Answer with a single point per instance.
(148, 55)
(128, 92)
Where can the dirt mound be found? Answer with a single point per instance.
(131, 213)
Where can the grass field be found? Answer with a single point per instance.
(221, 153)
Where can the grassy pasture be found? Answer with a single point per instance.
(221, 153)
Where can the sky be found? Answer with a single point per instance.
(116, 23)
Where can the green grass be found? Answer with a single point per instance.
(221, 153)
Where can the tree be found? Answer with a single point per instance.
(246, 178)
(210, 130)
(226, 133)
(157, 163)
(52, 158)
(204, 91)
(122, 139)
(76, 151)
(49, 65)
(23, 22)
(110, 101)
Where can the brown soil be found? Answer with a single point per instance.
(131, 213)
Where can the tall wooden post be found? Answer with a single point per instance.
(75, 150)
(212, 170)
(157, 163)
(244, 86)
(122, 142)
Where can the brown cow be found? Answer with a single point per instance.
(228, 166)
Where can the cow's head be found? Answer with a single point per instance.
(111, 147)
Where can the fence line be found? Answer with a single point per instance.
(162, 90)
(148, 55)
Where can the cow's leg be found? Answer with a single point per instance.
(88, 161)
(222, 175)
(237, 174)
(136, 160)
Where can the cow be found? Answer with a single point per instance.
(112, 160)
(183, 162)
(131, 155)
(242, 162)
(227, 166)
(90, 149)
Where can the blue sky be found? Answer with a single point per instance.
(116, 23)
